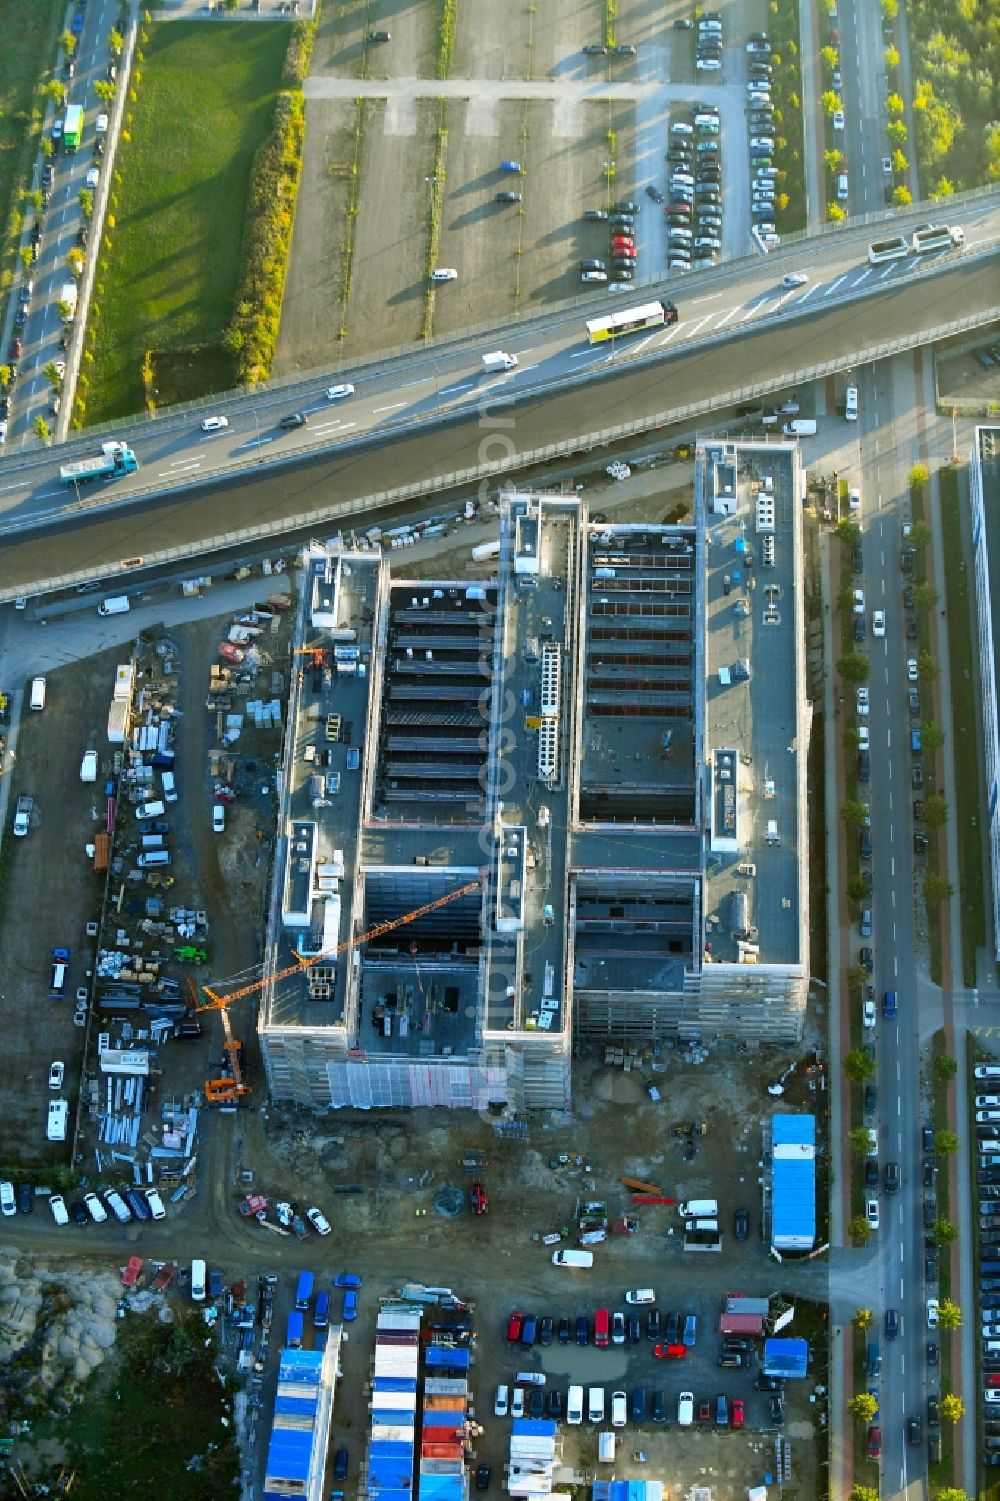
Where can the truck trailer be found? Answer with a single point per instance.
(114, 460)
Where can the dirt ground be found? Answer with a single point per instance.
(960, 374)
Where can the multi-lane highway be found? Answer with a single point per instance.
(432, 412)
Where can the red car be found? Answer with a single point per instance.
(736, 1408)
(15, 349)
(514, 1326)
(993, 1380)
(704, 1411)
(622, 242)
(874, 1442)
(670, 1352)
(480, 1201)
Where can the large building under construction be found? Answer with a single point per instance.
(563, 805)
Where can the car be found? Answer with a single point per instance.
(878, 623)
(341, 1464)
(859, 601)
(501, 1402)
(319, 1221)
(536, 1403)
(93, 177)
(101, 125)
(546, 1329)
(670, 1352)
(595, 215)
(794, 279)
(294, 419)
(379, 38)
(864, 737)
(863, 701)
(444, 273)
(741, 1224)
(638, 1296)
(57, 1071)
(865, 925)
(214, 424)
(76, 25)
(892, 1177)
(983, 1116)
(95, 1208)
(563, 1331)
(722, 1410)
(582, 1335)
(871, 1099)
(871, 1213)
(350, 1308)
(155, 1203)
(983, 1102)
(617, 1328)
(78, 1210)
(623, 49)
(690, 1330)
(8, 1199)
(933, 1313)
(838, 119)
(891, 1323)
(595, 49)
(517, 1402)
(529, 1331)
(554, 1405)
(653, 1324)
(866, 959)
(654, 192)
(912, 670)
(593, 265)
(483, 1473)
(914, 1430)
(874, 1441)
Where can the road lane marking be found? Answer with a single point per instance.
(863, 277)
(465, 386)
(834, 285)
(726, 316)
(186, 464)
(809, 292)
(393, 406)
(252, 443)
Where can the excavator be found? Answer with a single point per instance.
(227, 1090)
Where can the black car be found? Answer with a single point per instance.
(582, 1329)
(932, 1352)
(554, 1403)
(672, 1329)
(730, 1360)
(653, 1324)
(914, 1430)
(545, 1330)
(908, 600)
(78, 1210)
(483, 1473)
(654, 193)
(25, 1198)
(929, 1171)
(294, 419)
(871, 1172)
(563, 1333)
(891, 1323)
(930, 1268)
(48, 175)
(859, 628)
(659, 1407)
(633, 1332)
(930, 1212)
(639, 1405)
(777, 1411)
(341, 1464)
(536, 1403)
(871, 1099)
(741, 1224)
(627, 206)
(764, 1383)
(892, 1177)
(866, 959)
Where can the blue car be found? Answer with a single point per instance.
(347, 1279)
(76, 25)
(350, 1306)
(690, 1330)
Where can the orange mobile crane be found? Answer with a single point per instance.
(226, 1091)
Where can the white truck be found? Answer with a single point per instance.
(22, 815)
(498, 360)
(68, 297)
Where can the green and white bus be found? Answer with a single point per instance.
(72, 127)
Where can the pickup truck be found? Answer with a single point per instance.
(22, 816)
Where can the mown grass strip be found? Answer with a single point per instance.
(446, 37)
(438, 179)
(351, 217)
(786, 92)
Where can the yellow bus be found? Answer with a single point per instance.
(630, 320)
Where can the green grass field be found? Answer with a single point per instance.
(27, 58)
(205, 103)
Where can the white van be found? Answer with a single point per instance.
(574, 1405)
(606, 1448)
(198, 1281)
(571, 1258)
(800, 427)
(698, 1209)
(117, 1205)
(58, 1117)
(155, 809)
(530, 1378)
(701, 1224)
(152, 841)
(152, 858)
(37, 698)
(169, 787)
(619, 1414)
(851, 404)
(118, 606)
(595, 1404)
(685, 1409)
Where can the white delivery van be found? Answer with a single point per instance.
(152, 858)
(851, 404)
(800, 427)
(118, 606)
(197, 1281)
(152, 841)
(58, 1117)
(595, 1404)
(499, 361)
(88, 766)
(37, 695)
(701, 1224)
(619, 1413)
(169, 787)
(685, 1409)
(155, 809)
(572, 1258)
(699, 1209)
(574, 1405)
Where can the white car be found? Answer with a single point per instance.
(838, 119)
(101, 125)
(912, 672)
(219, 818)
(337, 393)
(933, 1313)
(987, 1070)
(56, 1073)
(444, 273)
(93, 177)
(501, 1402)
(985, 1101)
(983, 1117)
(762, 143)
(864, 701)
(95, 1208)
(859, 601)
(640, 1295)
(155, 1203)
(619, 1410)
(60, 368)
(59, 1211)
(871, 1213)
(868, 1017)
(517, 1403)
(8, 1203)
(214, 424)
(318, 1220)
(3, 432)
(794, 279)
(878, 622)
(864, 738)
(854, 498)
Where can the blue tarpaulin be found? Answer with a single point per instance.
(788, 1358)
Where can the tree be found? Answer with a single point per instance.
(854, 668)
(27, 255)
(863, 1493)
(952, 1408)
(949, 1315)
(834, 161)
(845, 598)
(65, 310)
(854, 812)
(52, 376)
(855, 976)
(945, 1143)
(944, 188)
(945, 1232)
(4, 377)
(926, 667)
(859, 1066)
(944, 1069)
(68, 43)
(920, 532)
(42, 429)
(863, 1405)
(895, 105)
(897, 132)
(104, 90)
(860, 1142)
(864, 1318)
(933, 735)
(891, 57)
(116, 41)
(831, 101)
(925, 596)
(937, 889)
(835, 214)
(900, 162)
(859, 1229)
(890, 9)
(901, 196)
(857, 887)
(848, 531)
(54, 90)
(35, 198)
(86, 200)
(48, 149)
(829, 56)
(935, 811)
(75, 261)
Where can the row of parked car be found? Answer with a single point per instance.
(605, 1328)
(988, 1078)
(130, 1204)
(694, 208)
(622, 257)
(760, 109)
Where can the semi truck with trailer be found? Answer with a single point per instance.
(114, 460)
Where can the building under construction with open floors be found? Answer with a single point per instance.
(524, 813)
